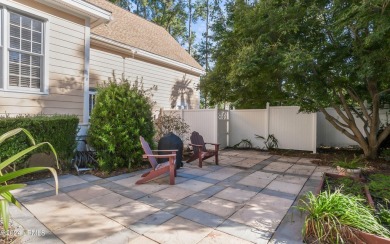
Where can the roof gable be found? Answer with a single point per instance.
(133, 30)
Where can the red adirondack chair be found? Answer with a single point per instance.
(158, 169)
(200, 150)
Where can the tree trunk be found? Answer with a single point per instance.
(207, 36)
(189, 26)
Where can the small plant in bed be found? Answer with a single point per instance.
(345, 185)
(349, 167)
(332, 217)
(383, 215)
(379, 186)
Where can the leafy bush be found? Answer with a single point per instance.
(330, 217)
(122, 113)
(5, 188)
(383, 216)
(58, 130)
(271, 141)
(170, 122)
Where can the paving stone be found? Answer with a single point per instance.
(130, 193)
(67, 180)
(100, 182)
(218, 206)
(124, 176)
(285, 187)
(130, 212)
(46, 238)
(235, 195)
(193, 199)
(306, 161)
(194, 185)
(166, 181)
(212, 190)
(244, 232)
(75, 187)
(143, 240)
(33, 189)
(194, 171)
(288, 159)
(202, 217)
(175, 208)
(223, 173)
(88, 193)
(277, 167)
(292, 179)
(106, 202)
(150, 187)
(301, 169)
(216, 237)
(155, 201)
(123, 236)
(36, 196)
(173, 193)
(207, 180)
(261, 218)
(88, 230)
(247, 163)
(127, 181)
(89, 177)
(151, 222)
(258, 179)
(178, 230)
(271, 202)
(112, 186)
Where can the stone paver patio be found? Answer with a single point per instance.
(248, 198)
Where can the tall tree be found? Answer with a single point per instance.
(316, 54)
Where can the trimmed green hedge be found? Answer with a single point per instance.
(59, 130)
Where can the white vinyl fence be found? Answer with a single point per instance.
(293, 130)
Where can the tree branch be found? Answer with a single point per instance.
(365, 127)
(346, 107)
(384, 135)
(354, 96)
(332, 120)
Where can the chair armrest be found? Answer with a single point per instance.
(194, 145)
(172, 150)
(212, 143)
(159, 156)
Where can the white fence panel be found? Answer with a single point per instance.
(292, 129)
(202, 121)
(244, 124)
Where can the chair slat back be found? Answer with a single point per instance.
(198, 140)
(147, 150)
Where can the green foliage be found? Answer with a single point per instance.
(345, 163)
(244, 143)
(386, 154)
(170, 122)
(345, 185)
(330, 217)
(271, 141)
(383, 216)
(122, 113)
(379, 186)
(5, 188)
(315, 54)
(58, 130)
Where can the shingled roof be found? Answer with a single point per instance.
(135, 31)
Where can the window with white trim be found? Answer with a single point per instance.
(25, 53)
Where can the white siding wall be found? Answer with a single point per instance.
(104, 62)
(66, 65)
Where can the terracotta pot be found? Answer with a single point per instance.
(372, 239)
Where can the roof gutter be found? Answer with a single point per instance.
(81, 8)
(135, 52)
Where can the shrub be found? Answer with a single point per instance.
(58, 130)
(122, 113)
(170, 122)
(379, 186)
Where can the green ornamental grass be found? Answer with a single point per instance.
(333, 216)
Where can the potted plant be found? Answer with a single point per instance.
(5, 188)
(349, 167)
(333, 217)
